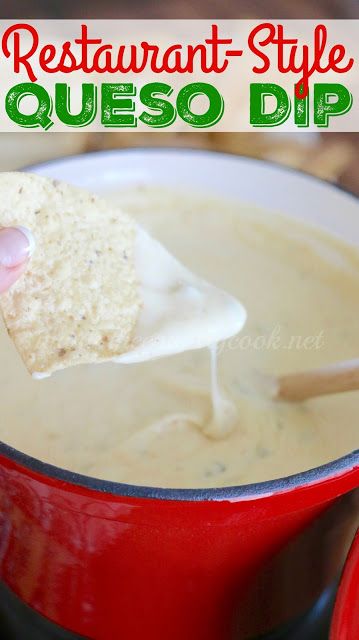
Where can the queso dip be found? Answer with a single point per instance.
(145, 423)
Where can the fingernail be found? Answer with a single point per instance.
(16, 245)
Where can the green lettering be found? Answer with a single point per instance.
(215, 109)
(325, 107)
(301, 110)
(88, 109)
(40, 117)
(258, 116)
(116, 107)
(150, 97)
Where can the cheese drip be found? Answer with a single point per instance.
(224, 411)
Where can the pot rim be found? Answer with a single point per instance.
(255, 490)
(251, 491)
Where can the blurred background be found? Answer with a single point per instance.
(334, 157)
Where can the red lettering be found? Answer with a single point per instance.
(19, 58)
(134, 64)
(96, 66)
(302, 59)
(215, 41)
(47, 55)
(337, 55)
(268, 40)
(84, 41)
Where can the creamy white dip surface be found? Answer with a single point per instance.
(154, 423)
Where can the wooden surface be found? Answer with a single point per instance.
(180, 9)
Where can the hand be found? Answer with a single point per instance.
(16, 246)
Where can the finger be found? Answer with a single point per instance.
(9, 276)
(16, 245)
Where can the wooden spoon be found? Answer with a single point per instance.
(335, 378)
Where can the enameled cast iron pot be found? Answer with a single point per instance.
(346, 613)
(117, 562)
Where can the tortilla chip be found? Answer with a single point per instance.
(78, 301)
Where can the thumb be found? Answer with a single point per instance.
(16, 245)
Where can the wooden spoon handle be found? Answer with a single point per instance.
(336, 378)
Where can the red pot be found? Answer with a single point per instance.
(111, 561)
(345, 624)
(108, 561)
